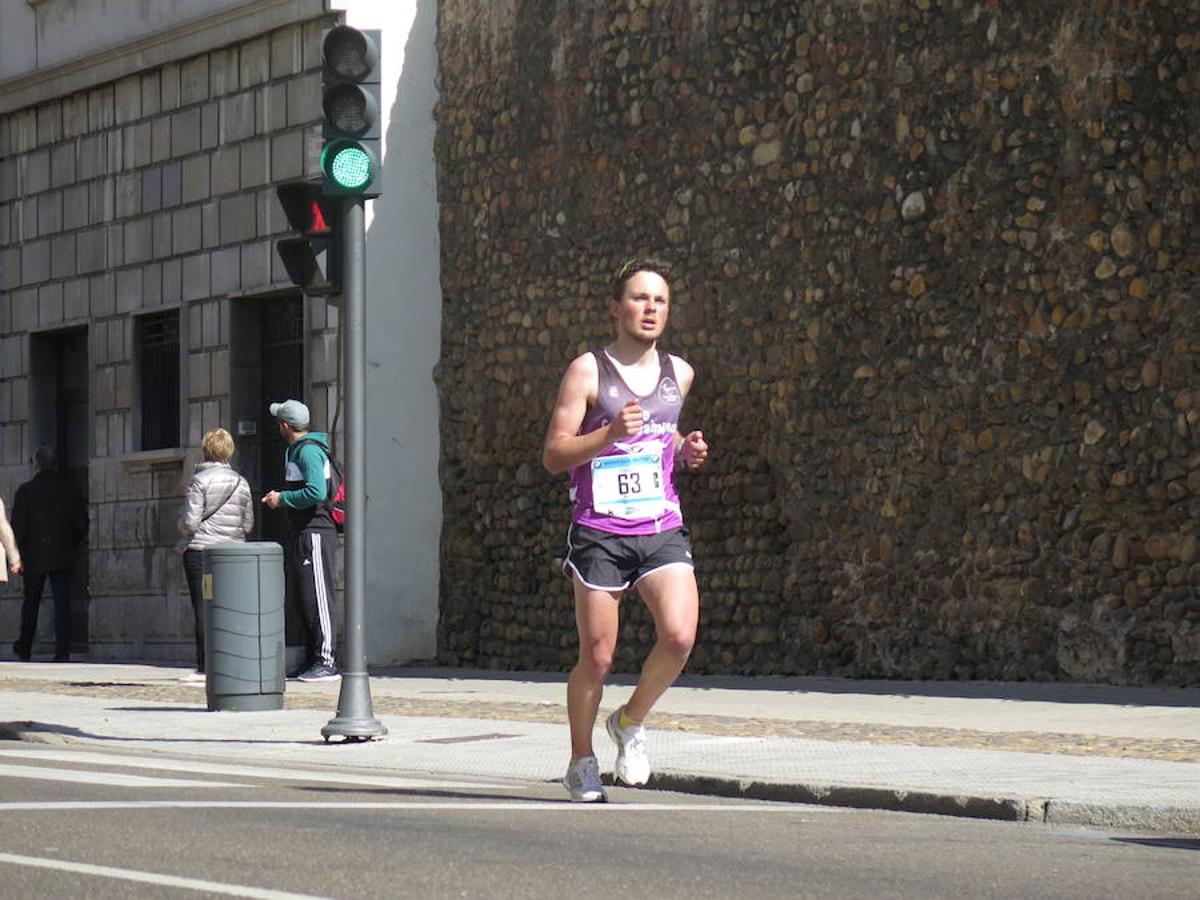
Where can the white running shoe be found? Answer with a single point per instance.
(632, 765)
(582, 781)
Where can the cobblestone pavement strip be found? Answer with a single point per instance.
(1013, 741)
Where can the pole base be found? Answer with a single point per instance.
(353, 730)
(355, 719)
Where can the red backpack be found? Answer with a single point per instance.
(335, 494)
(337, 505)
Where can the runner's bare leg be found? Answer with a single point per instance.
(674, 601)
(598, 620)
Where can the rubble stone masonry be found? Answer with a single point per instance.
(935, 263)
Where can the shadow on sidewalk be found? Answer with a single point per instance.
(459, 680)
(1040, 691)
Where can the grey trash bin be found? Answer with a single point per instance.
(243, 629)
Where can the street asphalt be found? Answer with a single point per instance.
(1057, 753)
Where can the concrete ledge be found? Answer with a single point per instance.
(149, 458)
(1150, 818)
(1008, 809)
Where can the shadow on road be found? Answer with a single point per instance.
(433, 793)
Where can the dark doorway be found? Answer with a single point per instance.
(267, 361)
(58, 362)
(283, 378)
(267, 365)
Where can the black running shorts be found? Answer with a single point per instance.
(612, 562)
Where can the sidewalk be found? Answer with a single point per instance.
(1081, 754)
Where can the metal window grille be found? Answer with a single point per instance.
(159, 346)
(283, 370)
(282, 355)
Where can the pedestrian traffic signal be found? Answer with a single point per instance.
(350, 77)
(313, 260)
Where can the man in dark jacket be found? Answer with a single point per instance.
(50, 522)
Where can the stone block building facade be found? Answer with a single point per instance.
(935, 263)
(143, 302)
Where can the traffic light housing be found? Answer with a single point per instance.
(314, 260)
(350, 127)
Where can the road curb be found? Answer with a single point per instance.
(1007, 809)
(1148, 818)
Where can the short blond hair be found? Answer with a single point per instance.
(218, 446)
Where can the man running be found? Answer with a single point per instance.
(615, 429)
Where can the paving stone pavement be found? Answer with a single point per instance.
(1082, 754)
(1178, 750)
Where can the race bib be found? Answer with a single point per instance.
(629, 486)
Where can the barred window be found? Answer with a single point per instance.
(158, 345)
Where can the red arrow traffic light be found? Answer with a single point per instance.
(312, 261)
(318, 225)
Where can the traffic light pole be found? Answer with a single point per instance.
(355, 719)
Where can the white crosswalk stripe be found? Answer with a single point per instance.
(91, 758)
(107, 779)
(171, 881)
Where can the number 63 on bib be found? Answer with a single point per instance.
(629, 486)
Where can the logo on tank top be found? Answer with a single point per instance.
(668, 390)
(613, 391)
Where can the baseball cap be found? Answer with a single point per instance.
(291, 412)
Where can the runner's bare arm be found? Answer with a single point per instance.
(690, 447)
(565, 447)
(684, 374)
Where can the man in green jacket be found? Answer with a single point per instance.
(312, 535)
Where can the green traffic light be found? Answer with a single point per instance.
(348, 165)
(351, 167)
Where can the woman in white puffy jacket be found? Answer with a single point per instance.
(218, 508)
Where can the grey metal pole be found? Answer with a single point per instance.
(355, 719)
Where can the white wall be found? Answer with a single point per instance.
(404, 313)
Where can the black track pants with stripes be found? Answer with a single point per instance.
(313, 554)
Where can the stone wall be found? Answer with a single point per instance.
(935, 265)
(154, 192)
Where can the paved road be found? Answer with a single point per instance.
(99, 823)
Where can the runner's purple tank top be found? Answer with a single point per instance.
(630, 487)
